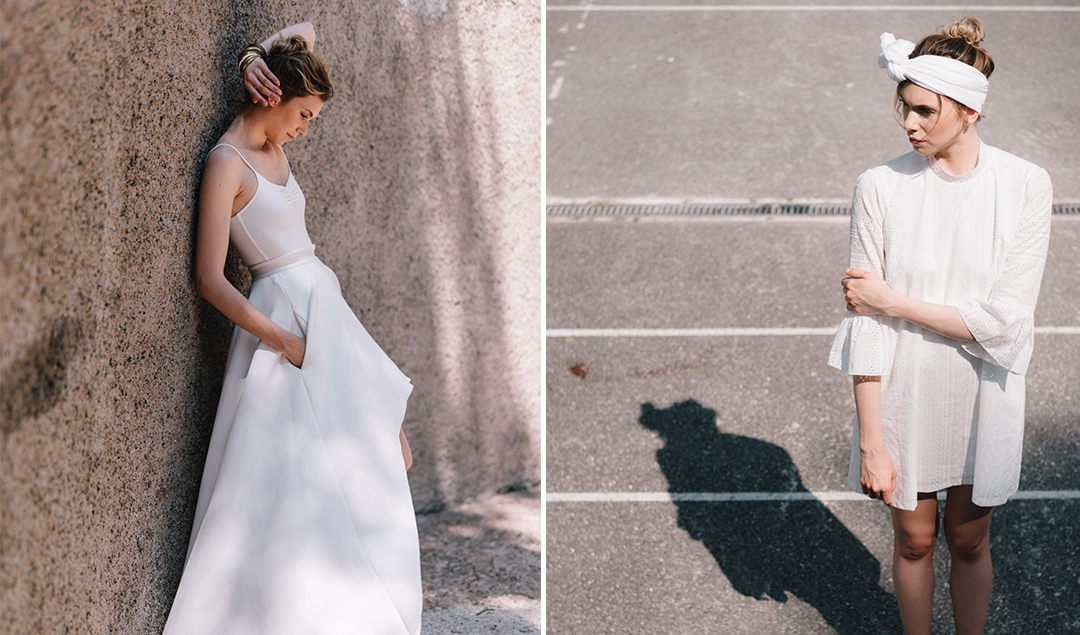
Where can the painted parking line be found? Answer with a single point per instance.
(815, 7)
(759, 497)
(745, 332)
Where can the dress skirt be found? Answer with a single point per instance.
(304, 523)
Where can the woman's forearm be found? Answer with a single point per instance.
(867, 294)
(218, 291)
(942, 319)
(304, 29)
(877, 475)
(868, 408)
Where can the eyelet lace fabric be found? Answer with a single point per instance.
(952, 412)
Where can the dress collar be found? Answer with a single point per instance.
(967, 176)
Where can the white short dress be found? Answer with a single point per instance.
(952, 412)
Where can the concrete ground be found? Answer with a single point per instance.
(752, 414)
(480, 564)
(778, 104)
(745, 105)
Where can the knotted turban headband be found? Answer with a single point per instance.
(942, 75)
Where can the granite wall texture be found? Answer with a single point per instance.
(422, 183)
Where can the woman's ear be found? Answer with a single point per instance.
(970, 115)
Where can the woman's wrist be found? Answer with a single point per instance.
(870, 450)
(277, 339)
(249, 55)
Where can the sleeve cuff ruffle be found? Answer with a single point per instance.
(1002, 337)
(863, 345)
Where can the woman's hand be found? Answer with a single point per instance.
(867, 294)
(877, 475)
(292, 347)
(261, 83)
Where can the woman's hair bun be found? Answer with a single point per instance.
(969, 30)
(294, 45)
(959, 41)
(299, 69)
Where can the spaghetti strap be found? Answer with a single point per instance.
(236, 151)
(282, 151)
(257, 173)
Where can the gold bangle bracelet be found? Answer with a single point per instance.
(248, 55)
(245, 60)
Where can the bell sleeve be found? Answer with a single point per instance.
(1003, 323)
(863, 343)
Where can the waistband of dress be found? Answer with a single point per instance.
(283, 262)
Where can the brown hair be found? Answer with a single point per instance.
(960, 41)
(299, 69)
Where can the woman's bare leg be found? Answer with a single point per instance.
(967, 530)
(914, 538)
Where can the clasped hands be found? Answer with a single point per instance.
(867, 294)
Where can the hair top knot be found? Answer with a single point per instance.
(299, 69)
(969, 30)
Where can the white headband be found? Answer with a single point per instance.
(942, 75)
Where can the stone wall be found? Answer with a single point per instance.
(422, 186)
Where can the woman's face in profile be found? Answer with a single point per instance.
(291, 117)
(932, 122)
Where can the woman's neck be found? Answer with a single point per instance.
(251, 128)
(962, 155)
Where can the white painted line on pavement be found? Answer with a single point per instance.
(745, 332)
(708, 497)
(689, 200)
(756, 497)
(555, 88)
(812, 7)
(831, 330)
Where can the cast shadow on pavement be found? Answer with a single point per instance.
(767, 548)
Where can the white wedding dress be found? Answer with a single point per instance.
(304, 523)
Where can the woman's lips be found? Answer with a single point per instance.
(915, 141)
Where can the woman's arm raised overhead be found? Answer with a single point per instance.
(303, 29)
(220, 184)
(258, 80)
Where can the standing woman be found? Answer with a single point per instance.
(948, 244)
(304, 522)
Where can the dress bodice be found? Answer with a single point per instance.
(272, 223)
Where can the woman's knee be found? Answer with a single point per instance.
(967, 526)
(968, 543)
(915, 532)
(915, 545)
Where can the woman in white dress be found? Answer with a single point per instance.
(304, 522)
(948, 244)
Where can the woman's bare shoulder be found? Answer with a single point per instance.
(224, 165)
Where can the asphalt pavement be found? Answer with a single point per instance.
(767, 104)
(649, 108)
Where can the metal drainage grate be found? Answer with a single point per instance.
(723, 209)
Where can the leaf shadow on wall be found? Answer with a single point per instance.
(772, 548)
